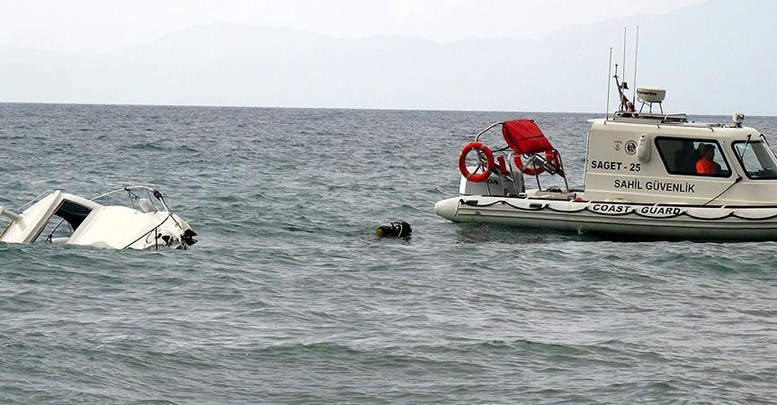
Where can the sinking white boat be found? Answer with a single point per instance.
(143, 222)
(647, 176)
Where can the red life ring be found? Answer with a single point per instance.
(476, 177)
(551, 156)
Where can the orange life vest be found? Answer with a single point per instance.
(705, 166)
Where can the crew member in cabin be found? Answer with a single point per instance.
(686, 158)
(706, 165)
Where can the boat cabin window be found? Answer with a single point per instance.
(757, 160)
(68, 212)
(73, 213)
(693, 157)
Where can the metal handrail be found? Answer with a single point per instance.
(477, 137)
(149, 192)
(34, 200)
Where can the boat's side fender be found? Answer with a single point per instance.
(643, 148)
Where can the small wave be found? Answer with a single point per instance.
(147, 146)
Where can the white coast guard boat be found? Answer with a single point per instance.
(648, 176)
(140, 224)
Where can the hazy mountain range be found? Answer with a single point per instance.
(714, 58)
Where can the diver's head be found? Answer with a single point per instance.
(399, 229)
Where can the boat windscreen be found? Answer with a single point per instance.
(73, 213)
(757, 160)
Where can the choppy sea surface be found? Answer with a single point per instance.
(287, 298)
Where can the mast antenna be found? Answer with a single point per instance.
(609, 72)
(626, 105)
(636, 53)
(623, 66)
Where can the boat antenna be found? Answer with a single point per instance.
(609, 73)
(626, 105)
(747, 143)
(625, 86)
(634, 82)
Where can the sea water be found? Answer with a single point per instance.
(287, 298)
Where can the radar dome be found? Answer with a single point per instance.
(651, 94)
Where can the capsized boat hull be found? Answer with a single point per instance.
(631, 220)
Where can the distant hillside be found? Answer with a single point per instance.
(705, 70)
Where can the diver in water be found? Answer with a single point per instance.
(399, 229)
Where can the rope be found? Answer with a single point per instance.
(724, 191)
(146, 234)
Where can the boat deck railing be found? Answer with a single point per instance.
(134, 194)
(671, 118)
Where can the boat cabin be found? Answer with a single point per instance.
(664, 158)
(48, 212)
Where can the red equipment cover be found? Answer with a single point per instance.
(525, 137)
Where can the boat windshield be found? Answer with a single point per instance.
(757, 160)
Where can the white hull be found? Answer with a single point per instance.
(642, 221)
(57, 217)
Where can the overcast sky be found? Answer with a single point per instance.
(714, 56)
(94, 25)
